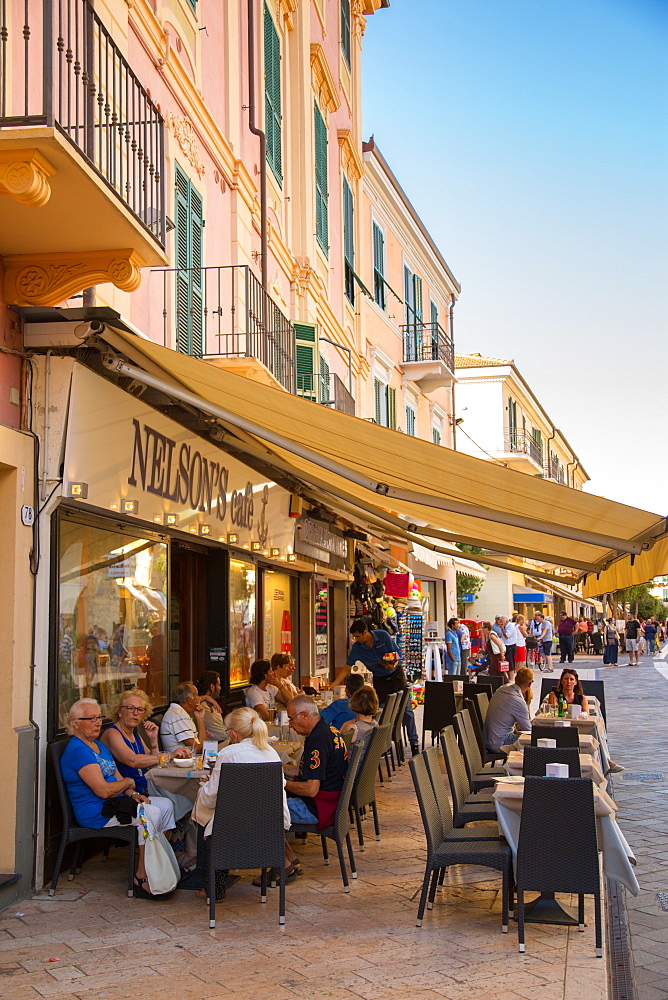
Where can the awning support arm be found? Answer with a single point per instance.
(116, 364)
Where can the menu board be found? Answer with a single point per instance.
(321, 624)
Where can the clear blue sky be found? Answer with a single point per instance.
(532, 138)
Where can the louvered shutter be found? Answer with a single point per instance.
(410, 421)
(272, 96)
(391, 407)
(378, 265)
(182, 276)
(189, 263)
(197, 274)
(321, 188)
(324, 379)
(306, 355)
(377, 390)
(345, 31)
(348, 241)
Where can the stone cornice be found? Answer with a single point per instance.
(24, 176)
(323, 81)
(46, 279)
(350, 155)
(288, 9)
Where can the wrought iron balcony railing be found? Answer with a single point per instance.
(326, 388)
(60, 68)
(554, 471)
(224, 312)
(428, 342)
(523, 443)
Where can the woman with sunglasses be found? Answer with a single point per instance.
(133, 757)
(91, 778)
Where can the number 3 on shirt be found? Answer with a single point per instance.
(315, 759)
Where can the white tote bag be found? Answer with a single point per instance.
(162, 869)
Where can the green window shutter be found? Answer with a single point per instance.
(272, 96)
(189, 262)
(433, 312)
(408, 296)
(417, 297)
(323, 379)
(378, 265)
(435, 436)
(348, 242)
(391, 407)
(410, 421)
(377, 409)
(306, 359)
(321, 187)
(345, 31)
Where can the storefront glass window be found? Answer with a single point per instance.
(321, 624)
(111, 616)
(278, 612)
(242, 620)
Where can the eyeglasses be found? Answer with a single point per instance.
(291, 718)
(90, 718)
(133, 708)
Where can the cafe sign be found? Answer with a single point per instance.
(321, 542)
(124, 450)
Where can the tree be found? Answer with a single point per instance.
(641, 602)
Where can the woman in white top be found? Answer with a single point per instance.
(249, 744)
(261, 695)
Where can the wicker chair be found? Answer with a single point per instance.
(486, 690)
(571, 864)
(432, 758)
(386, 717)
(479, 776)
(248, 828)
(536, 758)
(492, 680)
(398, 729)
(466, 807)
(75, 834)
(443, 850)
(486, 756)
(339, 830)
(565, 736)
(390, 721)
(364, 789)
(480, 701)
(439, 708)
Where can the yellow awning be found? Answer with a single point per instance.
(443, 492)
(622, 574)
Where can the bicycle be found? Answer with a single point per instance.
(535, 656)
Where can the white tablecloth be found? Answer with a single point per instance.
(588, 766)
(592, 725)
(618, 858)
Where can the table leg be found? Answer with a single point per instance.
(547, 910)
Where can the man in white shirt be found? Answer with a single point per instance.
(509, 635)
(508, 712)
(177, 728)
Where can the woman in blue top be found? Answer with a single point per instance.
(91, 776)
(133, 757)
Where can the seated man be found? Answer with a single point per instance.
(177, 728)
(339, 711)
(313, 792)
(208, 687)
(508, 713)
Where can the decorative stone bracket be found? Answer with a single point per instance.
(47, 279)
(24, 175)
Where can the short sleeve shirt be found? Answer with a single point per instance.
(325, 759)
(176, 726)
(372, 656)
(256, 696)
(451, 637)
(86, 804)
(337, 713)
(632, 629)
(650, 630)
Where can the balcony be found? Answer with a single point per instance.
(555, 472)
(223, 315)
(522, 452)
(429, 356)
(81, 156)
(327, 389)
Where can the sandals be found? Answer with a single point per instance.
(141, 893)
(291, 873)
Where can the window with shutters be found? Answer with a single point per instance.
(193, 4)
(348, 242)
(436, 435)
(321, 187)
(345, 31)
(323, 379)
(391, 407)
(413, 299)
(306, 355)
(378, 265)
(385, 404)
(410, 421)
(272, 96)
(189, 263)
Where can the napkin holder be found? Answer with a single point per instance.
(574, 711)
(548, 744)
(556, 771)
(562, 722)
(339, 691)
(327, 697)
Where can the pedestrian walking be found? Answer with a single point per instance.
(632, 630)
(566, 630)
(650, 636)
(464, 636)
(611, 643)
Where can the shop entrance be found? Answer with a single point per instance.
(187, 613)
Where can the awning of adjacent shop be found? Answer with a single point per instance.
(436, 488)
(526, 596)
(626, 573)
(568, 595)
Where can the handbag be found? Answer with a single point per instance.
(504, 666)
(162, 869)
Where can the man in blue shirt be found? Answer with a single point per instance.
(453, 656)
(339, 712)
(378, 651)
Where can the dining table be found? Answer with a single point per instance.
(589, 767)
(587, 725)
(618, 858)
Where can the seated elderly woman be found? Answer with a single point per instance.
(249, 744)
(92, 778)
(133, 757)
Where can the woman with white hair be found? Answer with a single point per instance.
(92, 778)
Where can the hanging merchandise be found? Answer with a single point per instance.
(397, 584)
(412, 630)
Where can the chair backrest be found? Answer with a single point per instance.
(429, 811)
(248, 828)
(459, 785)
(56, 751)
(547, 684)
(491, 679)
(340, 823)
(470, 689)
(388, 708)
(566, 736)
(364, 789)
(399, 717)
(467, 743)
(479, 701)
(597, 689)
(535, 760)
(433, 758)
(439, 706)
(347, 738)
(561, 809)
(476, 726)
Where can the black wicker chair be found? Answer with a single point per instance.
(492, 680)
(479, 776)
(443, 851)
(486, 756)
(471, 690)
(391, 719)
(439, 708)
(466, 807)
(398, 729)
(339, 830)
(364, 788)
(75, 834)
(565, 808)
(433, 757)
(536, 758)
(565, 736)
(386, 717)
(248, 828)
(481, 702)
